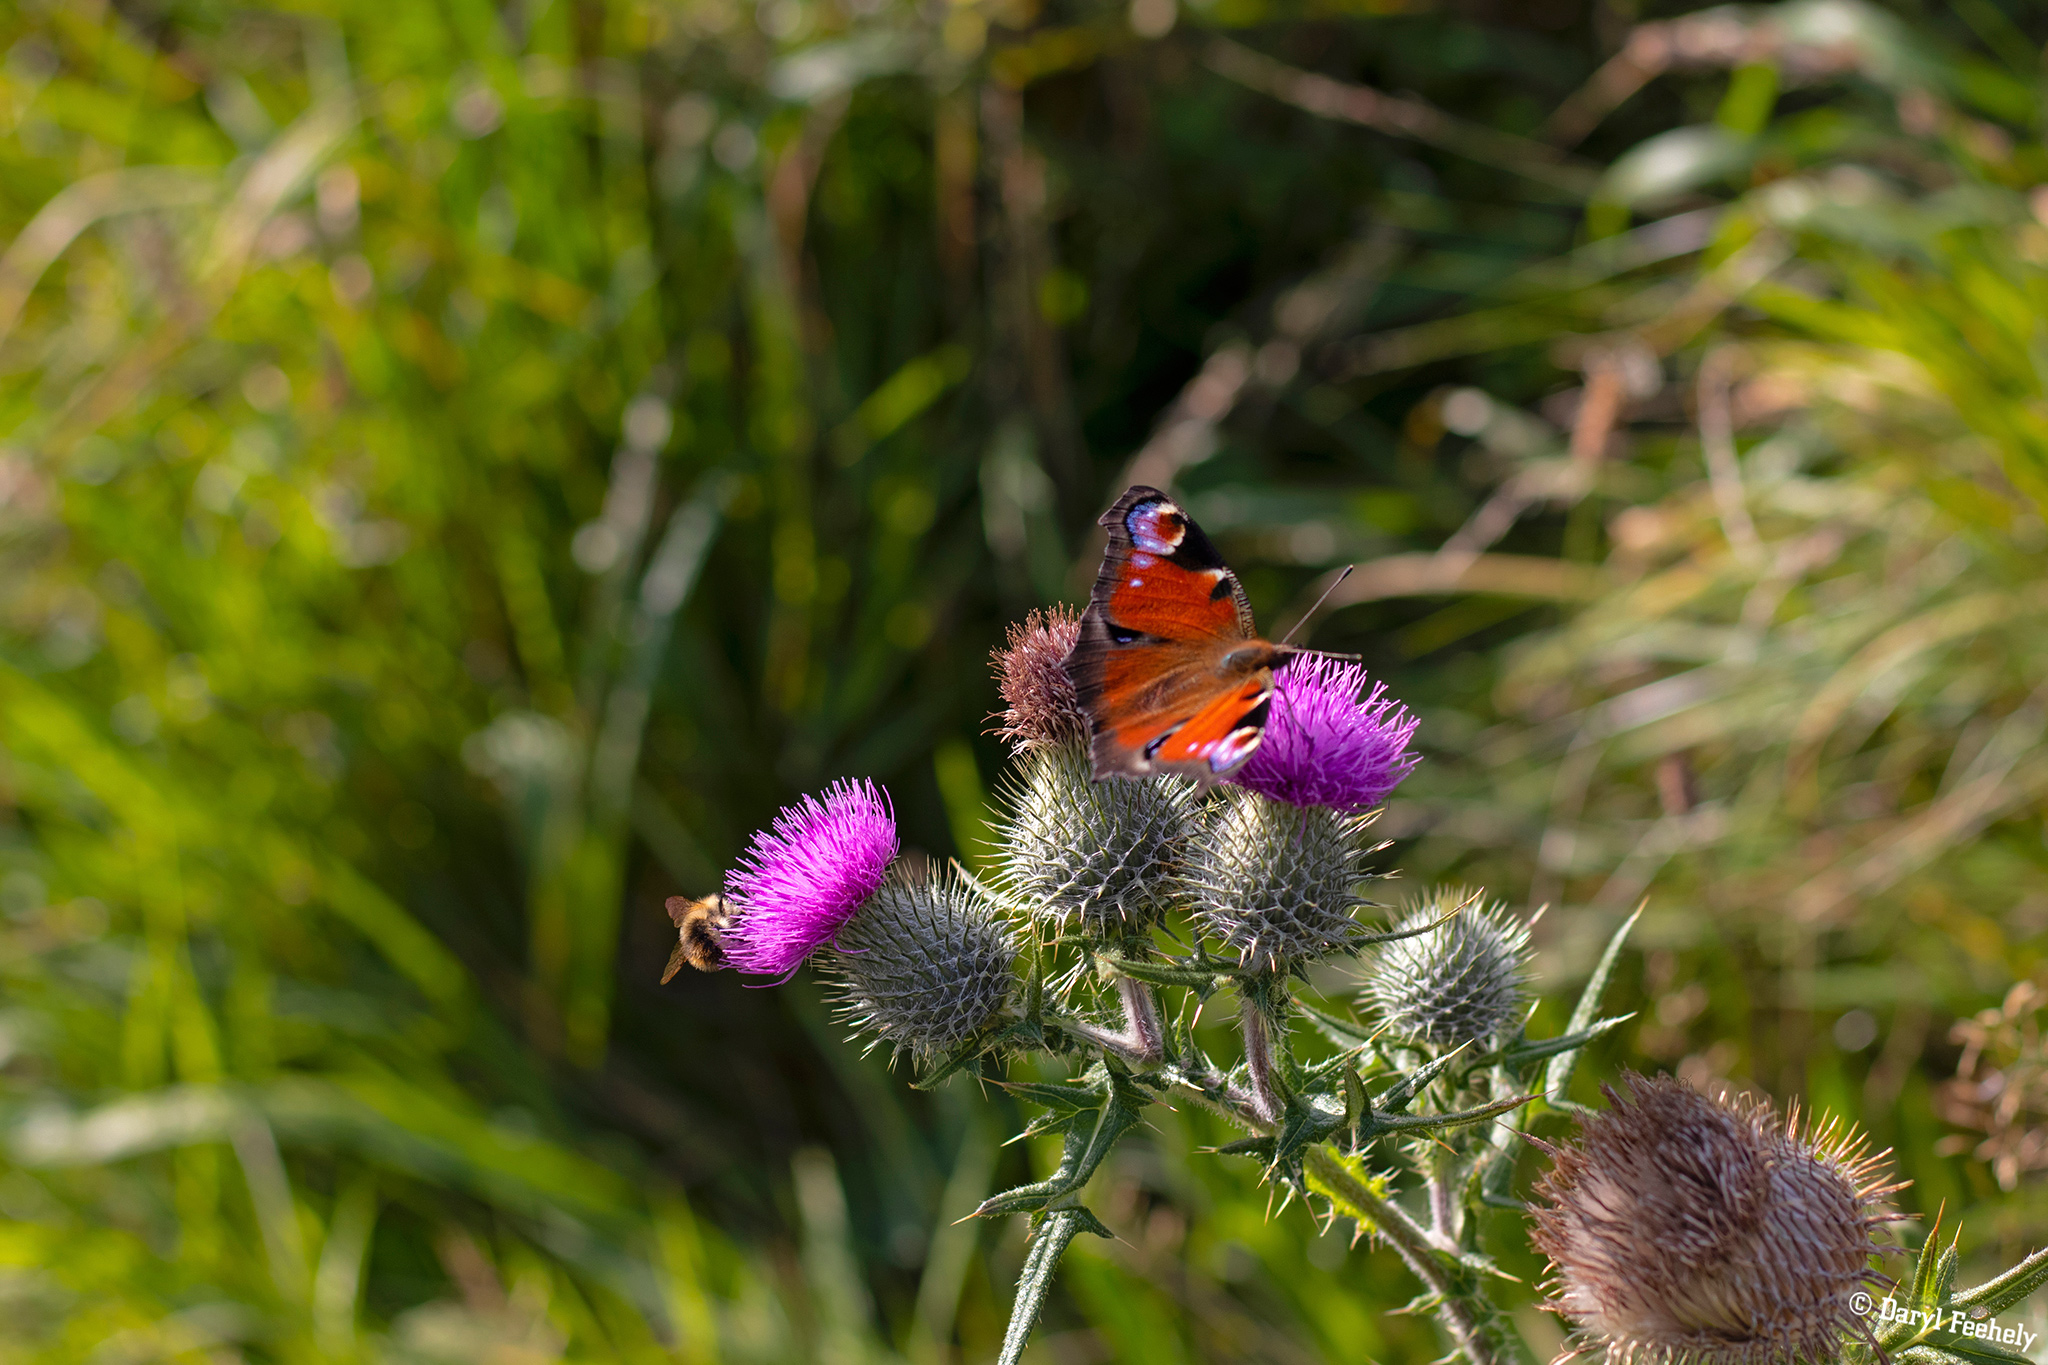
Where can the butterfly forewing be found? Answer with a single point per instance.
(1161, 576)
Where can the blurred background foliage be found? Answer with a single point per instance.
(465, 465)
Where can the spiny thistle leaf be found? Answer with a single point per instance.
(1523, 1053)
(1050, 1239)
(2013, 1287)
(1086, 1147)
(1557, 1078)
(1397, 1097)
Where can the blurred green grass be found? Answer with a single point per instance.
(464, 468)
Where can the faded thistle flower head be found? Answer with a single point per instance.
(925, 963)
(1102, 855)
(1326, 744)
(800, 881)
(1461, 982)
(1683, 1230)
(1276, 884)
(1041, 709)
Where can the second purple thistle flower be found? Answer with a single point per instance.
(801, 880)
(1328, 743)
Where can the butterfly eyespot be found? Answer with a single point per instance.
(1222, 588)
(1156, 529)
(1122, 635)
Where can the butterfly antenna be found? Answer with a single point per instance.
(1309, 615)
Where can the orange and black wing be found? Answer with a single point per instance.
(1167, 665)
(1161, 577)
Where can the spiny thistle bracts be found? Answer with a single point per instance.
(801, 880)
(1275, 884)
(925, 963)
(1462, 982)
(1041, 709)
(1683, 1230)
(1328, 744)
(1100, 855)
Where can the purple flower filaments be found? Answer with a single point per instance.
(1324, 745)
(799, 882)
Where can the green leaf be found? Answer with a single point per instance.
(1523, 1053)
(2012, 1287)
(1339, 1030)
(1397, 1097)
(1357, 1107)
(1924, 1268)
(1016, 1033)
(1065, 1096)
(941, 1067)
(1558, 1078)
(1416, 1123)
(1054, 1233)
(1392, 935)
(1084, 1151)
(1261, 1147)
(1304, 1124)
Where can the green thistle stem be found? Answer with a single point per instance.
(1459, 1306)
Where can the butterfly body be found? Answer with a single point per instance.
(699, 926)
(1169, 665)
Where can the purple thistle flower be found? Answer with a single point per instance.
(1324, 746)
(800, 882)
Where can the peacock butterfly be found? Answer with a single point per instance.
(1169, 667)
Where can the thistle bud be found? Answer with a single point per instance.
(1682, 1228)
(1102, 855)
(1461, 982)
(925, 963)
(1276, 884)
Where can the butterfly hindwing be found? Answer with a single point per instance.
(1222, 734)
(1168, 666)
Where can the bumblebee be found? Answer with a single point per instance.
(699, 926)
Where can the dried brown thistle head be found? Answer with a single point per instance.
(1683, 1230)
(1040, 706)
